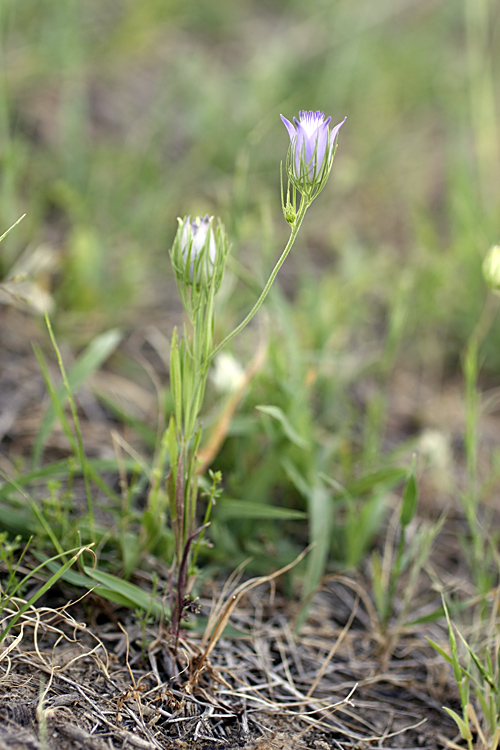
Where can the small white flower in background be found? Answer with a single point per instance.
(491, 269)
(435, 448)
(227, 374)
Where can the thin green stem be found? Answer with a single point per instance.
(81, 452)
(395, 573)
(471, 368)
(157, 473)
(295, 230)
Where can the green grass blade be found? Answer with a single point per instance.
(480, 666)
(385, 477)
(462, 726)
(320, 534)
(96, 353)
(228, 509)
(440, 650)
(125, 593)
(56, 408)
(59, 470)
(410, 499)
(42, 590)
(289, 431)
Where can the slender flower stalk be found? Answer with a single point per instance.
(293, 236)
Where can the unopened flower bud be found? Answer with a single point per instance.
(491, 269)
(197, 245)
(198, 257)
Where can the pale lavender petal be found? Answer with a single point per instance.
(321, 141)
(333, 134)
(305, 141)
(288, 125)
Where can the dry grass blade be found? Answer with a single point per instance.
(17, 640)
(225, 609)
(333, 650)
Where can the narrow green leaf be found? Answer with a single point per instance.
(363, 522)
(112, 595)
(96, 353)
(454, 609)
(365, 484)
(295, 477)
(410, 499)
(462, 726)
(176, 378)
(485, 706)
(17, 521)
(128, 593)
(290, 432)
(56, 408)
(440, 651)
(70, 576)
(359, 487)
(227, 509)
(379, 589)
(320, 534)
(173, 452)
(480, 666)
(457, 671)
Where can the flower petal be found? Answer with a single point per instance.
(321, 140)
(288, 125)
(306, 143)
(333, 134)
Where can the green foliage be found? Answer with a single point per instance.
(117, 118)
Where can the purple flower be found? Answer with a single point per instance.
(311, 149)
(198, 247)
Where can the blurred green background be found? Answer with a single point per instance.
(118, 116)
